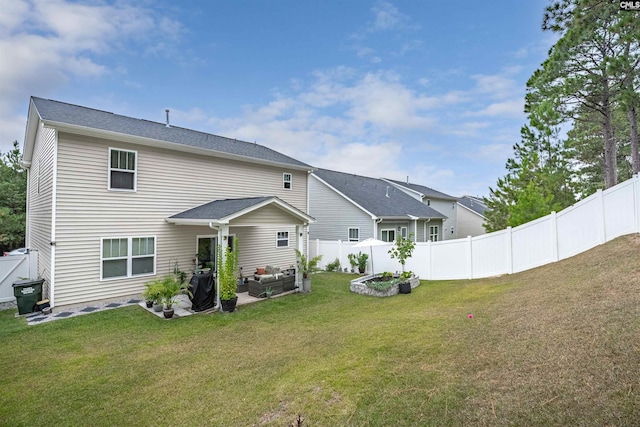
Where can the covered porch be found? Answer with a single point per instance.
(267, 231)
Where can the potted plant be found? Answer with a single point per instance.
(307, 266)
(353, 260)
(170, 289)
(362, 262)
(228, 276)
(152, 295)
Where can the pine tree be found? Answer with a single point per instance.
(13, 187)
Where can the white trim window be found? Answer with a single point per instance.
(282, 239)
(434, 233)
(127, 257)
(354, 234)
(388, 235)
(286, 181)
(122, 169)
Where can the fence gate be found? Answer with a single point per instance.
(14, 268)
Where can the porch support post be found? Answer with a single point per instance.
(223, 236)
(300, 244)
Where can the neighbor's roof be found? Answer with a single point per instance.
(423, 190)
(473, 203)
(225, 210)
(77, 118)
(371, 194)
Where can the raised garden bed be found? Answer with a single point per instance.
(360, 285)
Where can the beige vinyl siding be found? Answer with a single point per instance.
(254, 241)
(447, 208)
(39, 217)
(168, 182)
(469, 223)
(335, 214)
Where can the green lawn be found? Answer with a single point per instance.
(557, 345)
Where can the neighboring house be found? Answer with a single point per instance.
(471, 217)
(443, 203)
(352, 208)
(115, 201)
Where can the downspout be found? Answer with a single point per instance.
(54, 192)
(27, 239)
(376, 221)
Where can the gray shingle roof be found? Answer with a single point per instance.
(428, 192)
(473, 203)
(371, 194)
(226, 209)
(60, 112)
(219, 209)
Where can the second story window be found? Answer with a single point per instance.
(122, 169)
(286, 181)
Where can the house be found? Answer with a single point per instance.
(441, 202)
(471, 217)
(115, 201)
(353, 208)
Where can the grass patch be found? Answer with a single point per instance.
(553, 346)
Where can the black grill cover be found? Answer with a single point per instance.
(203, 288)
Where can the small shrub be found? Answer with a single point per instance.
(334, 266)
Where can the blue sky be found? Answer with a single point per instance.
(432, 90)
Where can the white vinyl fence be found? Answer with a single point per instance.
(14, 268)
(593, 221)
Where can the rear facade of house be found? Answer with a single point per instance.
(102, 187)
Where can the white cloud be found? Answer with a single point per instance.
(496, 86)
(387, 17)
(513, 108)
(46, 43)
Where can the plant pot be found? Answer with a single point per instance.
(229, 305)
(157, 307)
(404, 288)
(149, 304)
(361, 270)
(168, 313)
(306, 285)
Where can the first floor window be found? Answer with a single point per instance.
(388, 235)
(128, 257)
(354, 234)
(434, 233)
(282, 239)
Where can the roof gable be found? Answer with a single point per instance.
(55, 113)
(474, 204)
(376, 196)
(225, 210)
(425, 191)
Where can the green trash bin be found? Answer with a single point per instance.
(27, 293)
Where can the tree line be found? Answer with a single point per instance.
(13, 191)
(581, 106)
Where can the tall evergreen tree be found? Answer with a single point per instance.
(538, 179)
(591, 69)
(13, 188)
